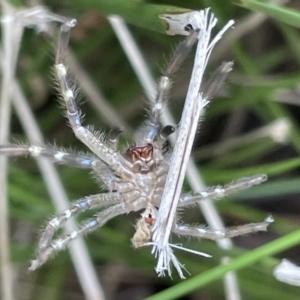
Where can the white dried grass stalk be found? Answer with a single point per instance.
(149, 85)
(38, 17)
(193, 109)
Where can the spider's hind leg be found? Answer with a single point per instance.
(212, 234)
(219, 192)
(58, 156)
(91, 225)
(81, 205)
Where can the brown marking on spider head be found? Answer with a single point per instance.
(140, 153)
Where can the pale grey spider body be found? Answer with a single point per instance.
(135, 180)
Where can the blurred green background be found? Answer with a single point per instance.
(236, 139)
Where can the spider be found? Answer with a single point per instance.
(134, 180)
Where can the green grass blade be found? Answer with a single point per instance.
(282, 14)
(243, 261)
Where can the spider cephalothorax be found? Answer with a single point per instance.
(146, 179)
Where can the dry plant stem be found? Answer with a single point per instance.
(287, 96)
(11, 36)
(79, 254)
(210, 213)
(138, 63)
(82, 263)
(287, 272)
(193, 109)
(277, 130)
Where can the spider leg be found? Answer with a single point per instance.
(60, 244)
(113, 138)
(105, 174)
(164, 84)
(62, 157)
(219, 192)
(94, 141)
(213, 86)
(57, 155)
(81, 205)
(212, 234)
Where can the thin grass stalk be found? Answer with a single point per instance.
(82, 263)
(277, 131)
(12, 32)
(243, 261)
(81, 259)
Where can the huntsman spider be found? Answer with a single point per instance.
(134, 180)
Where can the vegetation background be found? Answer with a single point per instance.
(252, 127)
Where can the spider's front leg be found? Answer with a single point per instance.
(163, 88)
(94, 141)
(56, 155)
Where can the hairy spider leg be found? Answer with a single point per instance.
(143, 234)
(56, 155)
(214, 234)
(91, 225)
(219, 192)
(105, 174)
(95, 142)
(60, 156)
(164, 84)
(81, 205)
(113, 138)
(217, 79)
